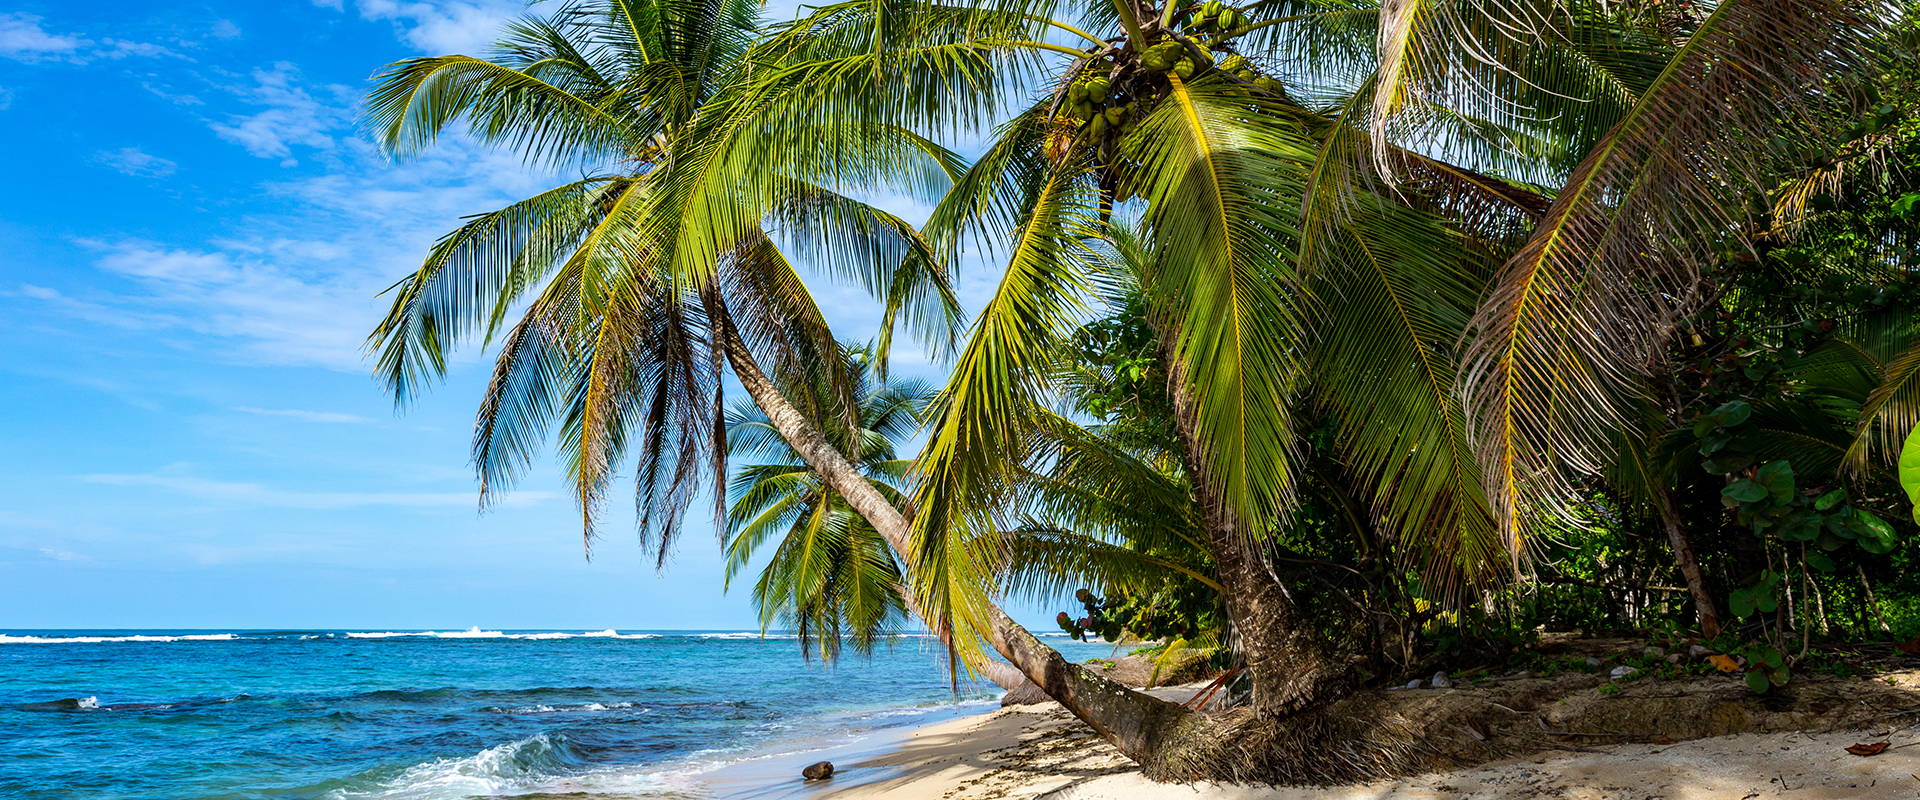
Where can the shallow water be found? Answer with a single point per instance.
(344, 715)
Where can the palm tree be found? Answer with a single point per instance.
(712, 159)
(707, 165)
(831, 577)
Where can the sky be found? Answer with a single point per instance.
(194, 234)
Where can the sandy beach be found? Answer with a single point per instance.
(1037, 751)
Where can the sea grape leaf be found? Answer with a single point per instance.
(1777, 476)
(1745, 491)
(1740, 602)
(1723, 463)
(1876, 536)
(1829, 500)
(1733, 412)
(1757, 681)
(1725, 663)
(1766, 603)
(1820, 561)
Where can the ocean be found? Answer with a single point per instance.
(424, 715)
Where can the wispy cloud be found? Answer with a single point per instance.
(299, 285)
(310, 416)
(23, 39)
(62, 555)
(438, 28)
(293, 114)
(254, 494)
(131, 161)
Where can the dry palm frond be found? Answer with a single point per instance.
(1580, 313)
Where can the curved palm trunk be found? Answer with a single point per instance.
(1135, 722)
(1291, 666)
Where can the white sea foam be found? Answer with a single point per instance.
(535, 764)
(476, 633)
(203, 637)
(87, 702)
(547, 709)
(744, 635)
(613, 634)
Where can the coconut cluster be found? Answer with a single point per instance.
(1109, 90)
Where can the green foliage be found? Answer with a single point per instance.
(1766, 668)
(1771, 505)
(1910, 471)
(1759, 597)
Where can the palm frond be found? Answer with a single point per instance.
(1580, 313)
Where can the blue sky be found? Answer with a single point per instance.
(195, 234)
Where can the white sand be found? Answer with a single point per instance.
(1040, 751)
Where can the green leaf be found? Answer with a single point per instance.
(1757, 681)
(1829, 499)
(1906, 205)
(1777, 476)
(1876, 536)
(1766, 602)
(1910, 460)
(1733, 413)
(1745, 491)
(1740, 602)
(1727, 463)
(1820, 561)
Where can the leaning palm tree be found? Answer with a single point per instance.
(710, 160)
(831, 578)
(673, 260)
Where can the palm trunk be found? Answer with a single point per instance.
(1291, 665)
(1134, 722)
(1689, 566)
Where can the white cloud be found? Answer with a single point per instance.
(6, 98)
(22, 39)
(310, 416)
(293, 115)
(223, 29)
(256, 495)
(299, 283)
(130, 161)
(333, 4)
(439, 28)
(120, 48)
(278, 299)
(62, 555)
(176, 99)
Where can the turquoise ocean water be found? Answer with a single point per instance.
(339, 715)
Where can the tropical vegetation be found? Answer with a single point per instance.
(1336, 338)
